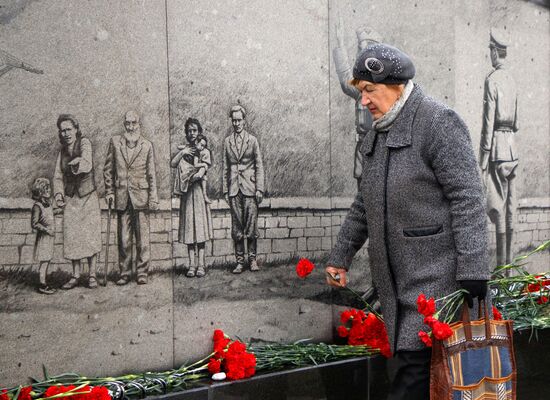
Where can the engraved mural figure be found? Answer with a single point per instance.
(195, 220)
(498, 153)
(243, 187)
(75, 193)
(8, 62)
(130, 184)
(43, 222)
(363, 118)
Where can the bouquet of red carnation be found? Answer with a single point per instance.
(231, 357)
(366, 329)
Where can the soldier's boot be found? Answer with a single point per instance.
(509, 245)
(501, 248)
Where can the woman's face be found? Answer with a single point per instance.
(378, 97)
(68, 132)
(192, 133)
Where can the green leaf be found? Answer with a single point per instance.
(45, 372)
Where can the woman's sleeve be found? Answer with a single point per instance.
(352, 236)
(176, 160)
(86, 159)
(455, 167)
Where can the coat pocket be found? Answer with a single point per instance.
(423, 231)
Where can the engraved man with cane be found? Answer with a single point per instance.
(130, 183)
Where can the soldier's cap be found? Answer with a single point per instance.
(366, 33)
(382, 63)
(499, 39)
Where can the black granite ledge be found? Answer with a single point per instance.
(365, 378)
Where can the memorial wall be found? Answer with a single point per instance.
(167, 110)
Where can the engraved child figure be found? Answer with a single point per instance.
(202, 160)
(43, 221)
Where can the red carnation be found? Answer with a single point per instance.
(342, 331)
(214, 366)
(249, 362)
(220, 340)
(304, 267)
(4, 395)
(220, 345)
(218, 335)
(441, 330)
(426, 339)
(345, 316)
(542, 300)
(425, 307)
(385, 350)
(25, 393)
(359, 314)
(496, 314)
(99, 393)
(540, 284)
(236, 348)
(430, 320)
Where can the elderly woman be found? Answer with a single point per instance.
(420, 204)
(75, 192)
(195, 220)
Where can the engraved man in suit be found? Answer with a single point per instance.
(130, 183)
(498, 154)
(243, 187)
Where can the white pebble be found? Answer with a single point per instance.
(220, 376)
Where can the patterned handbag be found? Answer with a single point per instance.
(477, 362)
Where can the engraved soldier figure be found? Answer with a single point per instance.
(498, 153)
(243, 187)
(363, 118)
(130, 184)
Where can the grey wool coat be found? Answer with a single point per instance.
(422, 207)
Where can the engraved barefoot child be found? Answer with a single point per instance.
(43, 221)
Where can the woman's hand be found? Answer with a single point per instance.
(186, 150)
(336, 277)
(75, 164)
(59, 200)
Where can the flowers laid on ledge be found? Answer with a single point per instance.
(521, 296)
(230, 359)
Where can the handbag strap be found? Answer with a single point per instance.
(486, 316)
(466, 321)
(482, 312)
